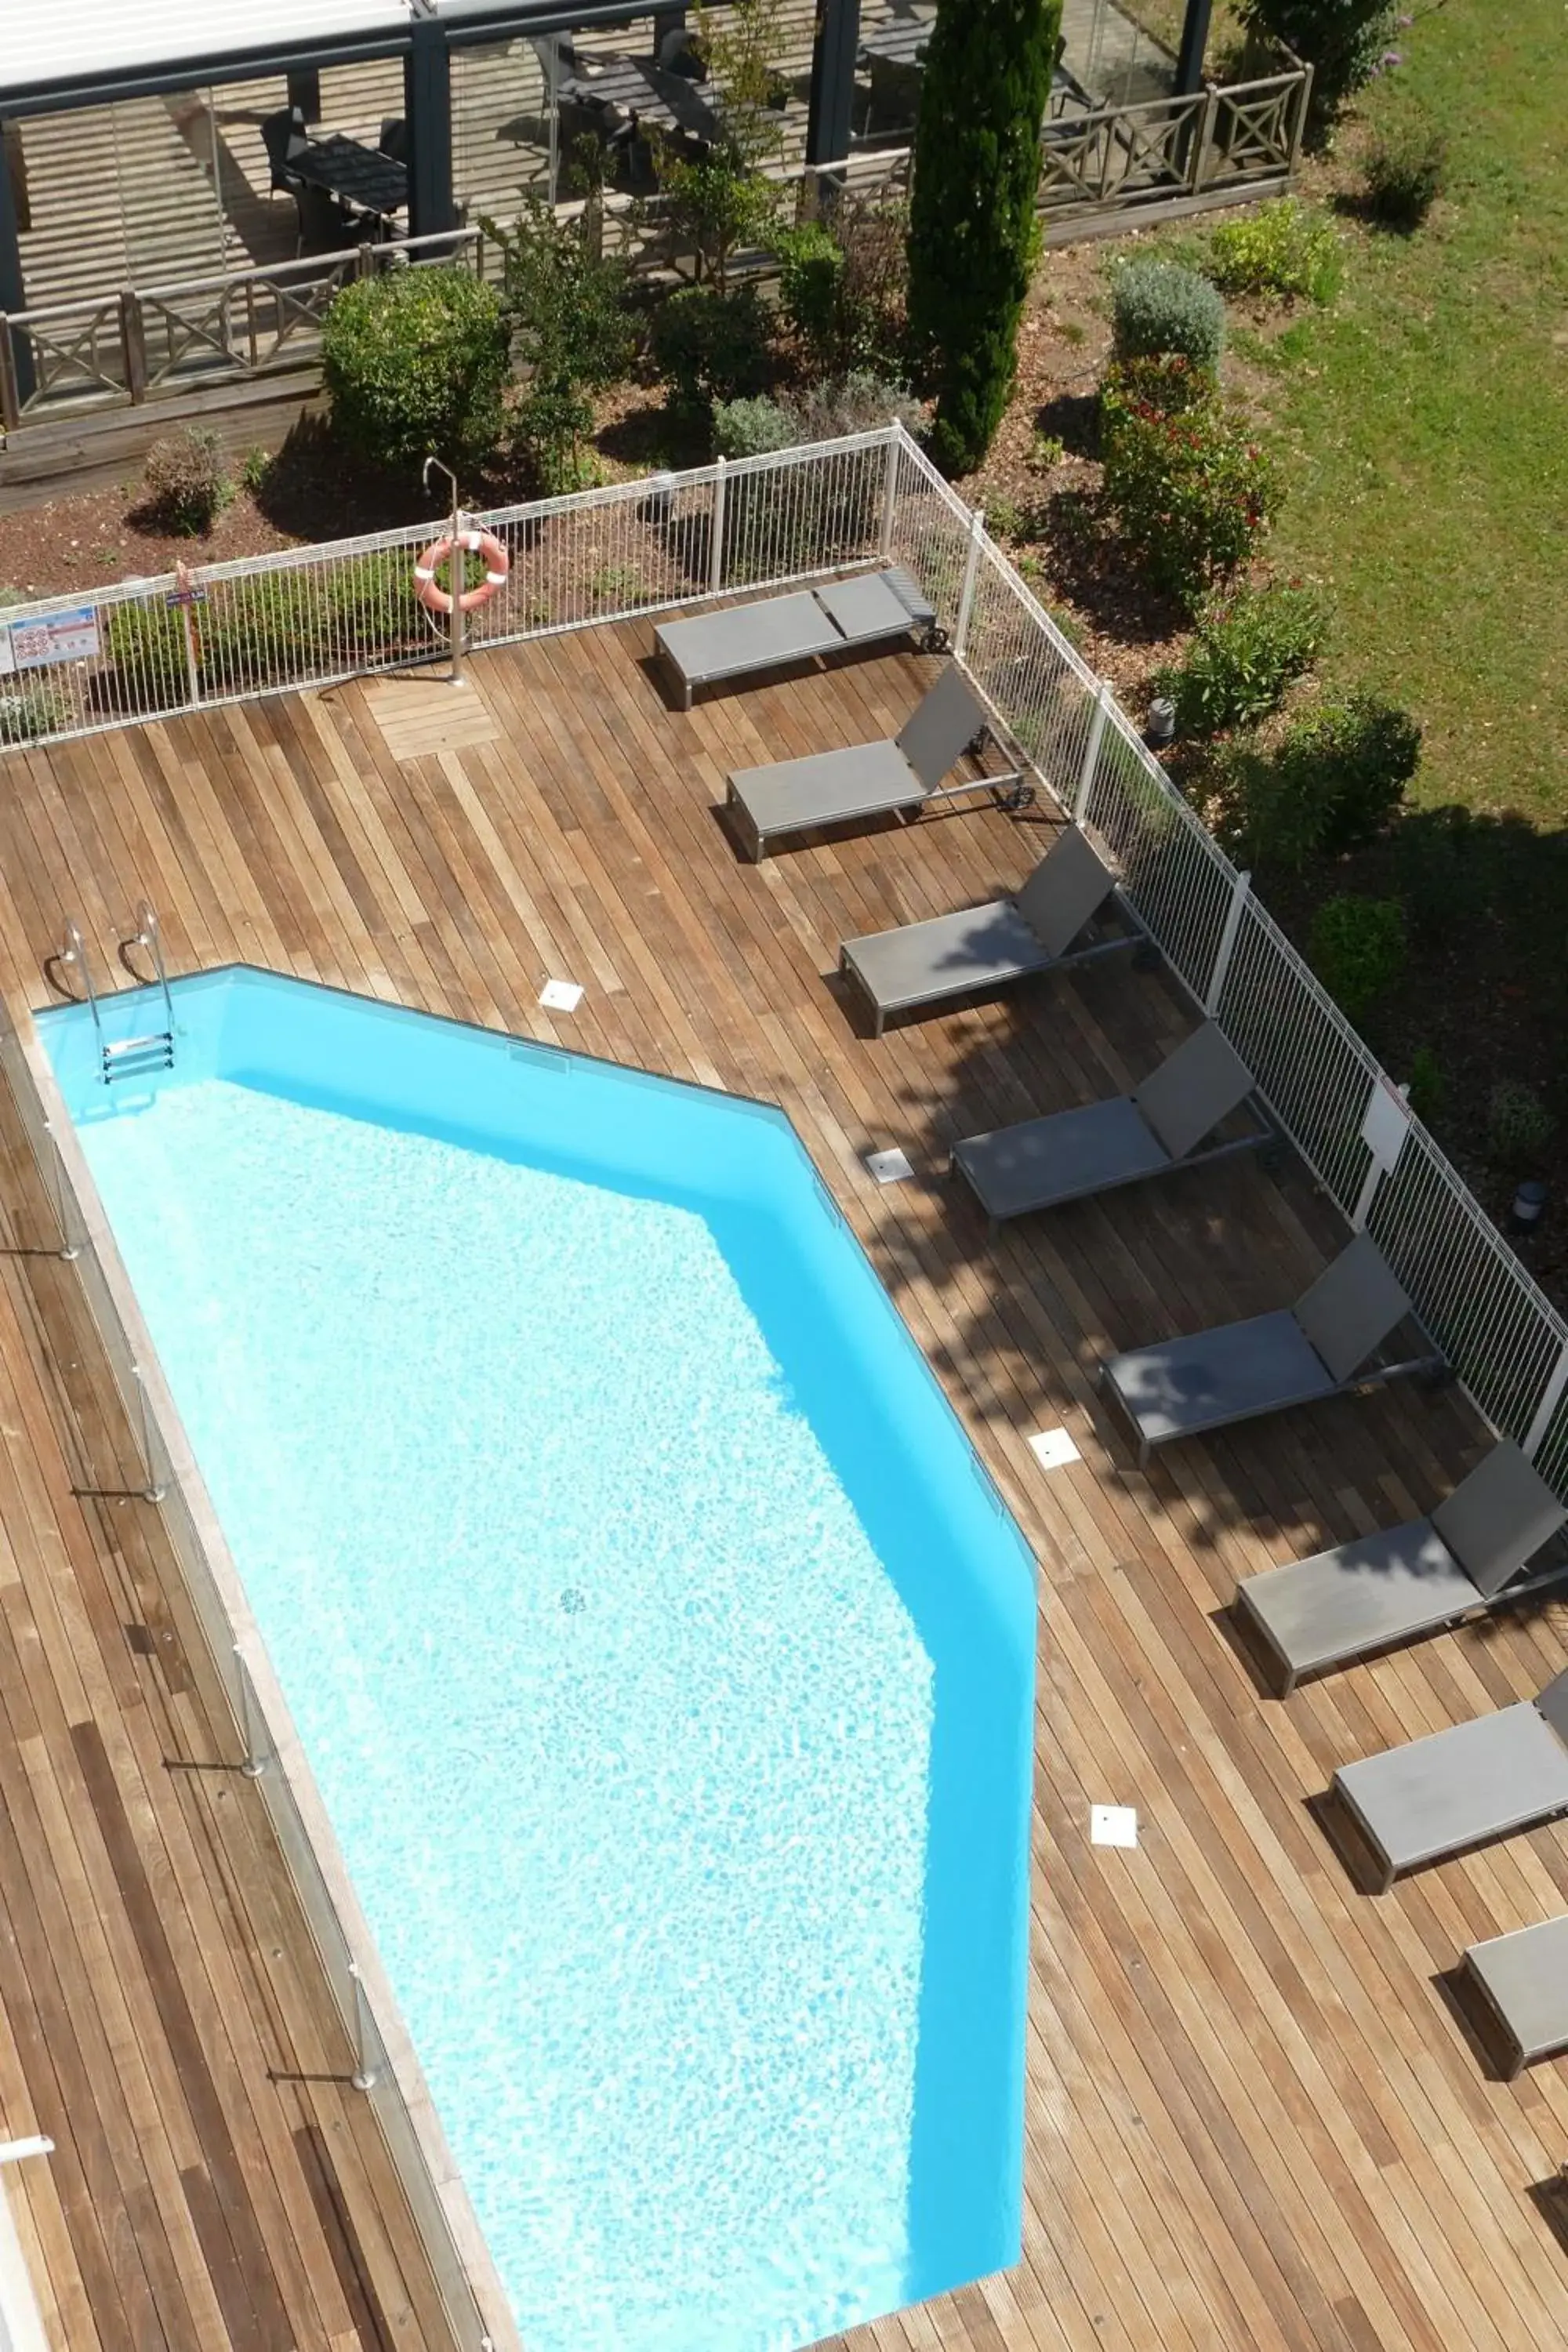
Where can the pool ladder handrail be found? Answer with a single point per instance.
(126, 1057)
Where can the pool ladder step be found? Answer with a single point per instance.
(134, 1057)
(127, 1057)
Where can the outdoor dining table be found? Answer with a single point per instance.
(903, 41)
(641, 86)
(356, 174)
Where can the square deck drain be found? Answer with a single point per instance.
(1113, 1825)
(888, 1167)
(1052, 1448)
(561, 997)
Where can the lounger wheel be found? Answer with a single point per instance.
(1021, 796)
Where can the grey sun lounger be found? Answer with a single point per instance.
(1523, 1981)
(867, 780)
(1070, 1154)
(1455, 1789)
(979, 949)
(1405, 1581)
(1319, 1347)
(874, 608)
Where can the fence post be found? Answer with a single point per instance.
(890, 496)
(133, 344)
(365, 259)
(10, 394)
(255, 1762)
(1298, 130)
(1546, 1410)
(1091, 753)
(716, 534)
(1226, 947)
(966, 593)
(1202, 143)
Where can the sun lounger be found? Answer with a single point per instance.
(1319, 1347)
(874, 608)
(1455, 1789)
(1405, 1581)
(980, 950)
(867, 780)
(1524, 1979)
(1042, 1162)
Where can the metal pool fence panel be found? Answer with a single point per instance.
(158, 648)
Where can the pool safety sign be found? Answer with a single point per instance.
(66, 636)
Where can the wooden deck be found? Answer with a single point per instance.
(1255, 2121)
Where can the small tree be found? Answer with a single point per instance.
(566, 308)
(973, 232)
(414, 363)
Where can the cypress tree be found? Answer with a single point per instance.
(972, 214)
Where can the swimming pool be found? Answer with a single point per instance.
(661, 1654)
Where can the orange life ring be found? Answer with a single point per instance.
(498, 563)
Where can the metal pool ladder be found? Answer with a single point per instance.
(127, 1057)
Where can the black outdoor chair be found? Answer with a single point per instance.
(394, 141)
(284, 134)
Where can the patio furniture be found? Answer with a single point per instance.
(979, 950)
(1459, 1788)
(874, 608)
(1405, 1580)
(1319, 1347)
(618, 88)
(284, 136)
(1523, 1981)
(1071, 1154)
(867, 780)
(354, 174)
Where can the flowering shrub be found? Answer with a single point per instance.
(1191, 492)
(1403, 171)
(1247, 647)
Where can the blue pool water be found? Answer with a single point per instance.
(663, 1660)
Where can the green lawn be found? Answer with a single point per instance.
(1424, 422)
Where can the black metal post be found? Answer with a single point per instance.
(1194, 42)
(427, 106)
(13, 293)
(833, 82)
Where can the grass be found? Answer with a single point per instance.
(1424, 423)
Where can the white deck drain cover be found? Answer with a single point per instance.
(1052, 1447)
(888, 1167)
(1113, 1825)
(561, 997)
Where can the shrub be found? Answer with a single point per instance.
(1167, 382)
(1006, 518)
(33, 710)
(1404, 172)
(972, 229)
(1046, 450)
(717, 205)
(1518, 1125)
(751, 428)
(1357, 948)
(1159, 307)
(187, 483)
(566, 308)
(811, 274)
(413, 364)
(1443, 875)
(1428, 1089)
(823, 412)
(1342, 40)
(254, 468)
(711, 346)
(1352, 761)
(1245, 653)
(1276, 248)
(1191, 493)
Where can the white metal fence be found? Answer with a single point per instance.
(311, 616)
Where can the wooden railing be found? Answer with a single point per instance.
(1206, 142)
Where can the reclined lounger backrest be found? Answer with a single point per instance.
(1497, 1517)
(1067, 886)
(946, 718)
(1351, 1307)
(1194, 1088)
